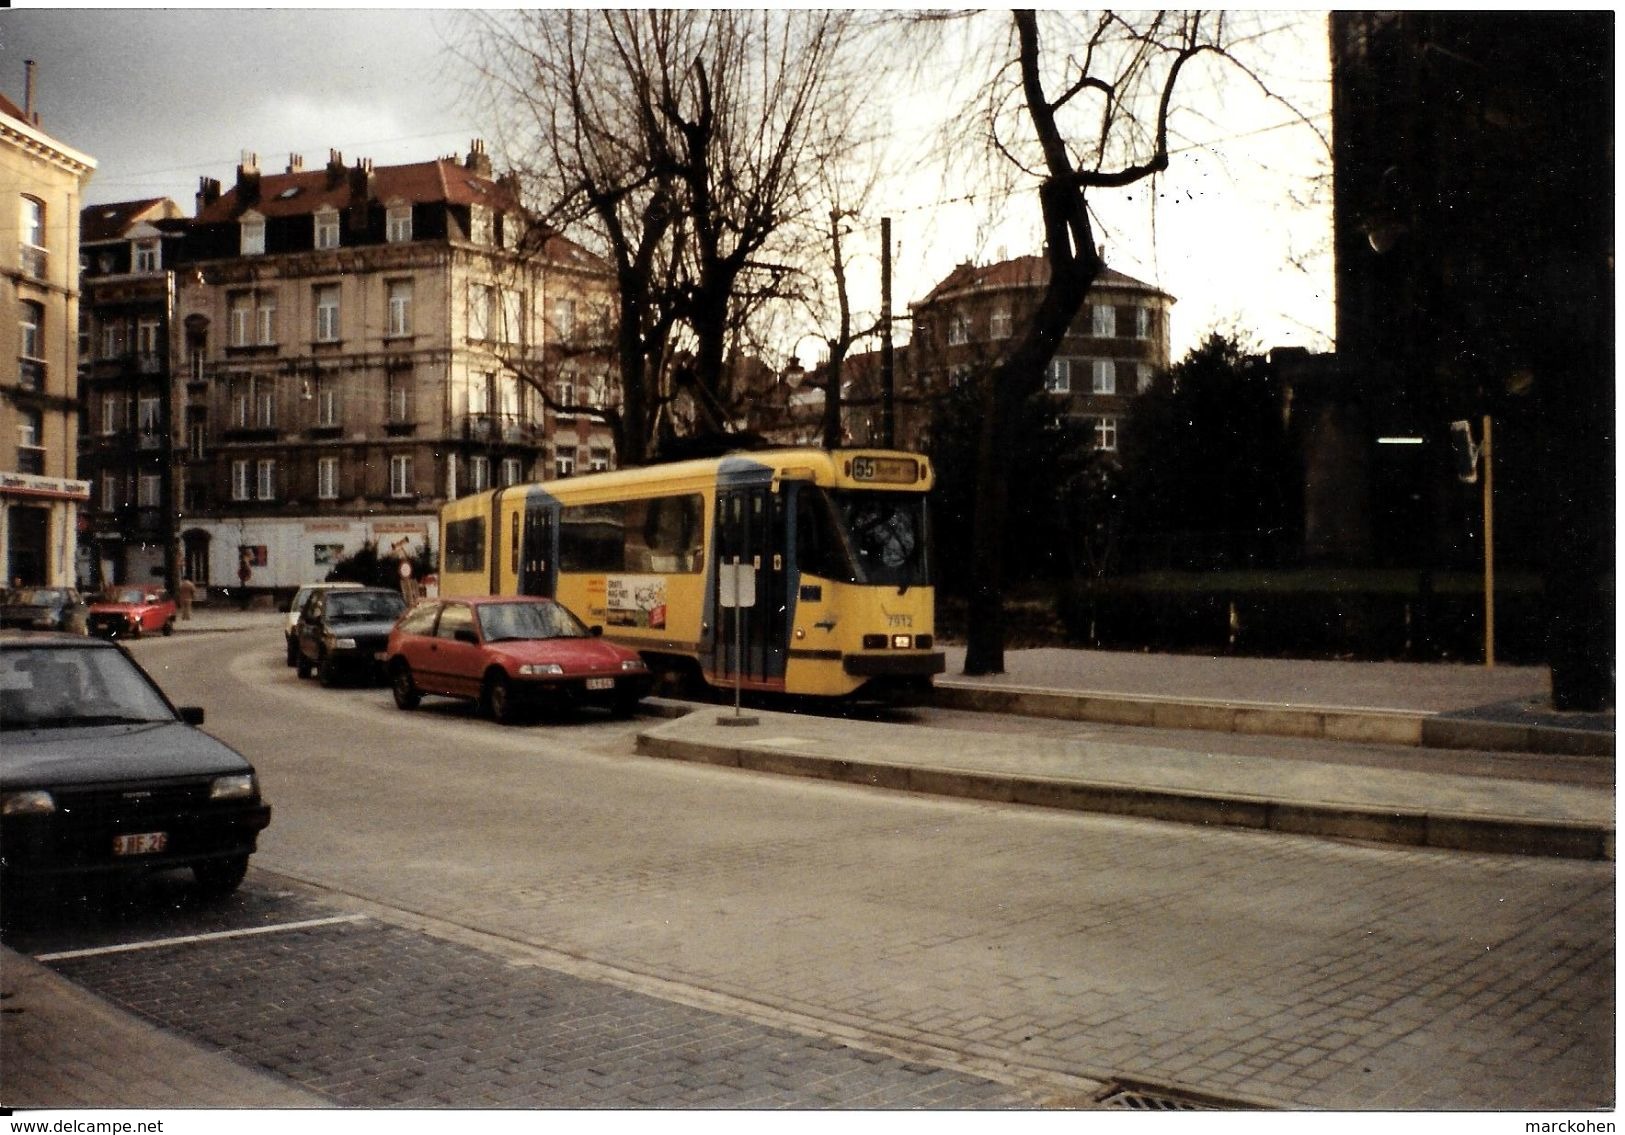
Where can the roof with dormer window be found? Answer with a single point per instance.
(1021, 272)
(309, 191)
(99, 223)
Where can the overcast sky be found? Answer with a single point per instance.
(161, 97)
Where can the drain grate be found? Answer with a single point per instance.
(1130, 1095)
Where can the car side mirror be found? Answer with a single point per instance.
(596, 630)
(467, 636)
(192, 714)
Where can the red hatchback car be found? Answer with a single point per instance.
(509, 654)
(130, 612)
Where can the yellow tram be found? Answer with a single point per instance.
(798, 571)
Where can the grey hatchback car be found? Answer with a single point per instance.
(101, 776)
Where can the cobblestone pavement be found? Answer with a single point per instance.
(377, 1016)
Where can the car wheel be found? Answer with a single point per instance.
(499, 700)
(303, 664)
(135, 631)
(327, 672)
(169, 627)
(293, 652)
(405, 690)
(625, 705)
(219, 877)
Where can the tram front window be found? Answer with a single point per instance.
(864, 537)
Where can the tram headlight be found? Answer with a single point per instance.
(902, 641)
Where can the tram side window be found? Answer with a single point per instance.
(465, 544)
(665, 534)
(592, 537)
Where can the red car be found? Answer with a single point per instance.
(131, 612)
(510, 654)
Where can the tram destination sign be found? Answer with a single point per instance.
(884, 470)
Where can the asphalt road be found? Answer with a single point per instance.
(758, 941)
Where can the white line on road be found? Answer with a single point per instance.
(216, 936)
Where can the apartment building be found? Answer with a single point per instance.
(354, 346)
(1118, 342)
(42, 182)
(125, 447)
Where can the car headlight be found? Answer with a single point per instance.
(633, 664)
(239, 787)
(340, 643)
(32, 802)
(540, 669)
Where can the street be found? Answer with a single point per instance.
(537, 917)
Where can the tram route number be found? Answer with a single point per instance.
(885, 470)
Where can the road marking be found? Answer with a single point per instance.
(190, 938)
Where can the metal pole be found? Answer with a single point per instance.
(888, 382)
(1489, 548)
(739, 641)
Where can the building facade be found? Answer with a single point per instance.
(1114, 348)
(42, 183)
(353, 346)
(125, 446)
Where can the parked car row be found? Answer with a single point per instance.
(126, 611)
(510, 655)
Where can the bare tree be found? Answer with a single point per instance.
(683, 142)
(1078, 103)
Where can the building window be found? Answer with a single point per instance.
(1106, 434)
(113, 336)
(1105, 377)
(242, 318)
(564, 462)
(958, 330)
(398, 224)
(508, 398)
(400, 307)
(1003, 322)
(1144, 373)
(110, 492)
(1058, 376)
(327, 313)
(479, 311)
(253, 235)
(479, 474)
(147, 258)
(264, 403)
(30, 447)
(31, 346)
(400, 475)
(32, 253)
(512, 470)
(265, 318)
(400, 397)
(239, 480)
(149, 418)
(598, 458)
(148, 339)
(150, 491)
(112, 412)
(327, 478)
(513, 315)
(327, 402)
(265, 478)
(1104, 321)
(1142, 323)
(327, 228)
(564, 393)
(479, 224)
(564, 320)
(198, 441)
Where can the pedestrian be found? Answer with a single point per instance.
(188, 591)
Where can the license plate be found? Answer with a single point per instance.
(600, 683)
(143, 843)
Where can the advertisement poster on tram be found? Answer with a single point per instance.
(636, 601)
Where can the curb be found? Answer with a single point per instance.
(1368, 726)
(1410, 828)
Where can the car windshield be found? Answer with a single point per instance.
(371, 607)
(130, 595)
(37, 596)
(500, 621)
(56, 688)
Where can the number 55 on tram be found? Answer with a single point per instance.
(832, 596)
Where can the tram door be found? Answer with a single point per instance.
(536, 575)
(750, 525)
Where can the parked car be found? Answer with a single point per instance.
(133, 611)
(510, 654)
(290, 632)
(44, 609)
(342, 633)
(101, 776)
